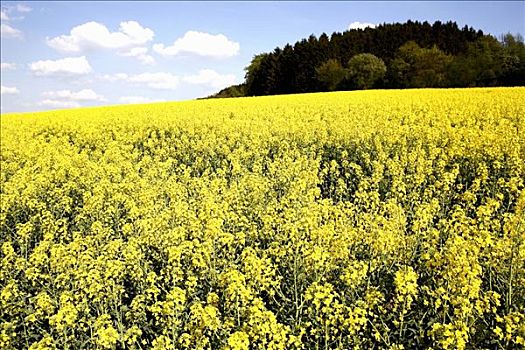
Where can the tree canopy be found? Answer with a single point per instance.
(365, 69)
(414, 55)
(331, 73)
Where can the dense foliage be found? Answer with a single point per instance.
(416, 55)
(230, 91)
(365, 70)
(351, 220)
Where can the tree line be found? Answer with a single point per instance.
(408, 55)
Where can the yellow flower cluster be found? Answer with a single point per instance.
(348, 220)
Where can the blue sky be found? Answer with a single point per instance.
(71, 54)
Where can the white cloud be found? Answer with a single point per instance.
(5, 90)
(7, 66)
(23, 8)
(68, 95)
(66, 67)
(94, 35)
(114, 77)
(211, 78)
(59, 104)
(168, 81)
(163, 81)
(141, 54)
(9, 32)
(138, 99)
(69, 99)
(202, 44)
(361, 25)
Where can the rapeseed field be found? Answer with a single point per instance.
(350, 220)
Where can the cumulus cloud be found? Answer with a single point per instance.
(6, 90)
(211, 78)
(94, 35)
(140, 53)
(161, 81)
(361, 25)
(138, 99)
(59, 104)
(7, 66)
(9, 32)
(68, 66)
(202, 44)
(68, 95)
(23, 8)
